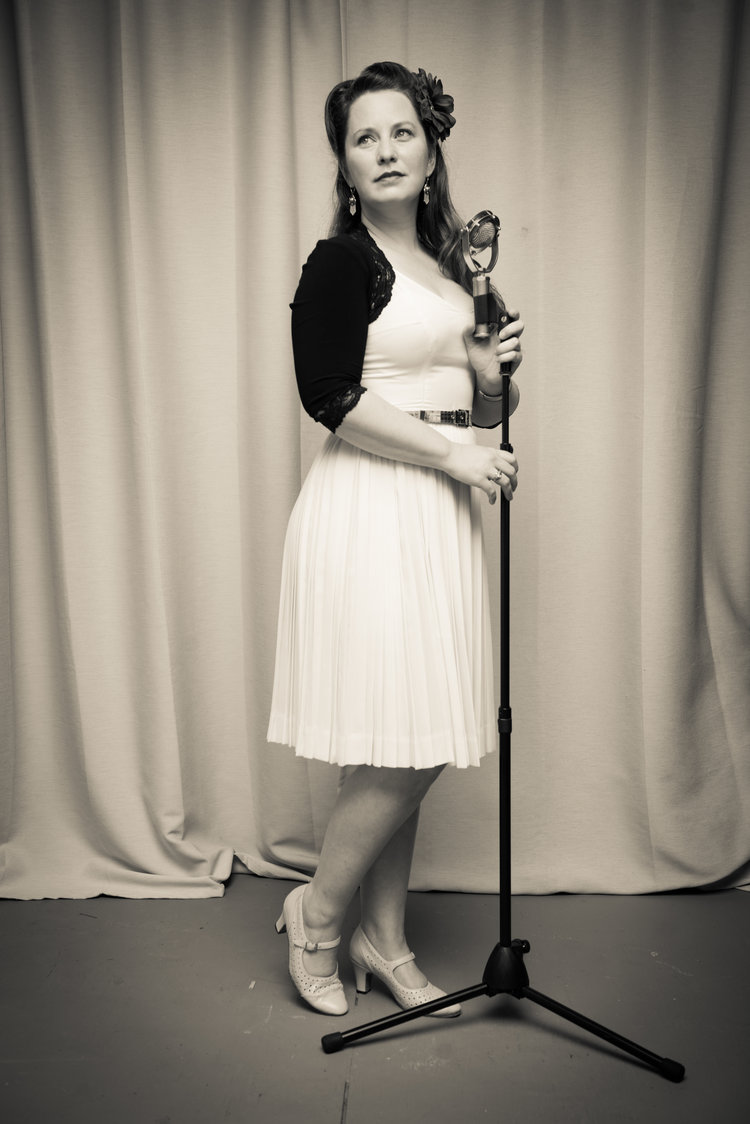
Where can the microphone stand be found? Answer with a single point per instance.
(505, 972)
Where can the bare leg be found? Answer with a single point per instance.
(372, 806)
(383, 894)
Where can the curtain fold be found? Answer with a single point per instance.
(163, 175)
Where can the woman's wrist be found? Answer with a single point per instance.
(490, 387)
(487, 409)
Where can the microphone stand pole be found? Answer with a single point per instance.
(505, 972)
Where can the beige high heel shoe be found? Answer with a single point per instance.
(368, 962)
(324, 993)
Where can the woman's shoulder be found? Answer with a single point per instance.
(355, 245)
(353, 258)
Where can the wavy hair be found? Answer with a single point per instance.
(438, 223)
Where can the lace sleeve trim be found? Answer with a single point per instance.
(337, 407)
(383, 275)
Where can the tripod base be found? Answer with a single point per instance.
(505, 974)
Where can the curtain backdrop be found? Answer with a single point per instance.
(164, 173)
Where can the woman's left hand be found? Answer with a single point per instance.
(486, 356)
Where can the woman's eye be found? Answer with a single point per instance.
(364, 139)
(404, 132)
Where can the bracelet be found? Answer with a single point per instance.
(491, 397)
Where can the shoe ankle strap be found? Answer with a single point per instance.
(394, 964)
(308, 946)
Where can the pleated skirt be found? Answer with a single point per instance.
(384, 649)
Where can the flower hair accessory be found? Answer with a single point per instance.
(435, 107)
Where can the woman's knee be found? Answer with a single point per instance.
(410, 784)
(427, 777)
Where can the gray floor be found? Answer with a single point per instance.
(180, 1012)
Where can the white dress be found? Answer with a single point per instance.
(384, 651)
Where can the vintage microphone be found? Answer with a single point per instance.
(505, 972)
(480, 234)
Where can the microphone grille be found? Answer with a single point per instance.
(482, 234)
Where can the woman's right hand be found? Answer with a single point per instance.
(484, 467)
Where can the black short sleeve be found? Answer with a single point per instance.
(329, 329)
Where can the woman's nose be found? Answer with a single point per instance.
(385, 152)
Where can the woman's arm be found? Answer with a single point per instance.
(381, 428)
(329, 330)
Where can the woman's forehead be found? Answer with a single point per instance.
(379, 106)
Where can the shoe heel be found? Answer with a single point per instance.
(362, 979)
(281, 925)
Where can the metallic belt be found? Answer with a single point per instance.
(443, 417)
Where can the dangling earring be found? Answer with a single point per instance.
(426, 191)
(352, 201)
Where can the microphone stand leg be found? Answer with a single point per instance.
(672, 1070)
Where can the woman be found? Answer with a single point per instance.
(384, 653)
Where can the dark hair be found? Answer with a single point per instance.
(438, 223)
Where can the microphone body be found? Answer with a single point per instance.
(484, 306)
